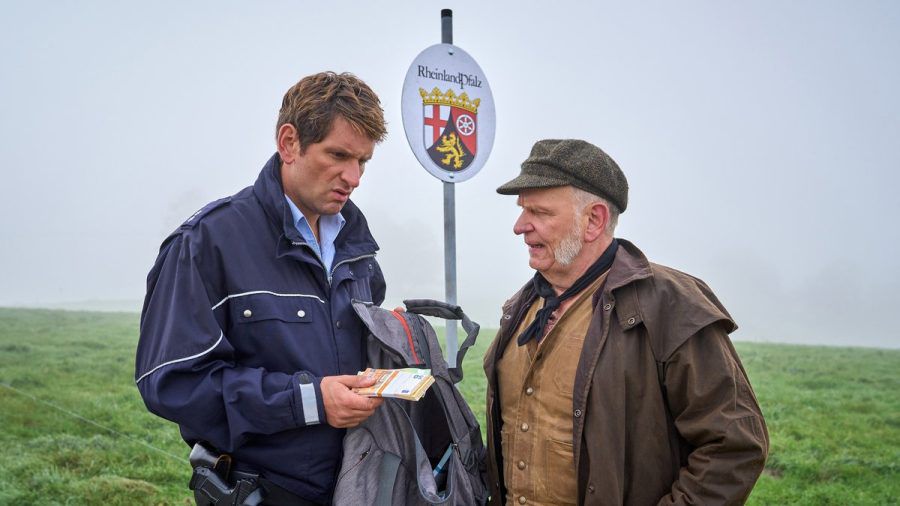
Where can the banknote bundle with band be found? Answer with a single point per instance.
(410, 384)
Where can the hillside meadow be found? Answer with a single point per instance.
(75, 431)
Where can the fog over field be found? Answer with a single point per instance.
(761, 142)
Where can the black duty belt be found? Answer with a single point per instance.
(279, 496)
(215, 482)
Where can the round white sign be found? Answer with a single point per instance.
(448, 113)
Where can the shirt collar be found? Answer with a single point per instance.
(328, 223)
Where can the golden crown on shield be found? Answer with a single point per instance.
(449, 98)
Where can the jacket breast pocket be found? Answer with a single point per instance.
(276, 332)
(263, 307)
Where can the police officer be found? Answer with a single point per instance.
(248, 339)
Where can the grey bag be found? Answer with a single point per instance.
(414, 453)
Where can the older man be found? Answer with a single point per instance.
(612, 379)
(248, 338)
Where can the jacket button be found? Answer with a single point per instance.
(371, 267)
(521, 464)
(529, 391)
(591, 489)
(631, 321)
(248, 313)
(522, 499)
(301, 313)
(607, 306)
(337, 324)
(577, 413)
(524, 427)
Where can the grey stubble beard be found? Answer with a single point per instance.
(569, 248)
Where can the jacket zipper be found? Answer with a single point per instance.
(329, 276)
(342, 262)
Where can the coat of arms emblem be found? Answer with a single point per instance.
(451, 131)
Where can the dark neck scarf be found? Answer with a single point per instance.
(552, 301)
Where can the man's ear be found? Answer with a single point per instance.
(598, 218)
(288, 143)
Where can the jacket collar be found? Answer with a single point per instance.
(353, 241)
(630, 265)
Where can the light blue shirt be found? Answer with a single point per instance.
(329, 227)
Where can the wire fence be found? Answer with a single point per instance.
(92, 422)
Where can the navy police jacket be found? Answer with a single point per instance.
(240, 323)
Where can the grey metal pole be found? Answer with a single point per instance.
(446, 26)
(449, 224)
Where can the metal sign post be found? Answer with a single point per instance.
(452, 343)
(448, 116)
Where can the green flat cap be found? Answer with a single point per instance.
(562, 162)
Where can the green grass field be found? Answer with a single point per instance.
(75, 431)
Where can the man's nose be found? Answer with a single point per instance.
(521, 225)
(352, 174)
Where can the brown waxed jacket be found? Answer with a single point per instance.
(651, 322)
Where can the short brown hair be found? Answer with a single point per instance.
(312, 104)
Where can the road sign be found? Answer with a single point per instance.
(448, 113)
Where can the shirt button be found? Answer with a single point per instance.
(521, 464)
(524, 427)
(577, 413)
(529, 391)
(301, 313)
(337, 324)
(248, 313)
(522, 499)
(591, 489)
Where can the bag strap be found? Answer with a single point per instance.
(409, 336)
(387, 475)
(438, 309)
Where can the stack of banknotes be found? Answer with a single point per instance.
(410, 384)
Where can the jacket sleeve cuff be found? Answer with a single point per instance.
(308, 406)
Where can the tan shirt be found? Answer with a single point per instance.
(536, 382)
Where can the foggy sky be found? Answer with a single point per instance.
(761, 142)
